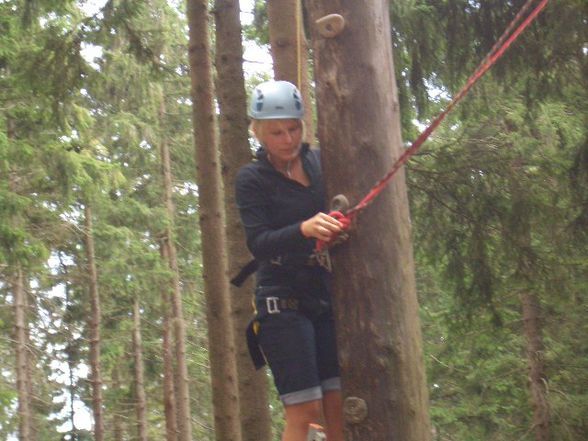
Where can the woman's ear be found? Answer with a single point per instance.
(255, 129)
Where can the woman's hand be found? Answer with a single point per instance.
(321, 226)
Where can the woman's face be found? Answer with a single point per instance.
(281, 138)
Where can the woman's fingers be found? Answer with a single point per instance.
(332, 221)
(321, 226)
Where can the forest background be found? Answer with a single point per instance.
(98, 178)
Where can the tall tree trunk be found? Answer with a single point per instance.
(72, 398)
(22, 368)
(21, 332)
(235, 152)
(69, 354)
(95, 323)
(216, 286)
(537, 378)
(375, 303)
(141, 401)
(181, 424)
(290, 52)
(31, 363)
(521, 241)
(117, 421)
(169, 394)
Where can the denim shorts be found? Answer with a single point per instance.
(301, 353)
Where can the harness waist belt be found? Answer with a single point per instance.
(253, 265)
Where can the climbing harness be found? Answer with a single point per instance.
(503, 43)
(266, 305)
(262, 308)
(299, 260)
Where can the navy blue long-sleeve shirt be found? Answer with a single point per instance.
(272, 208)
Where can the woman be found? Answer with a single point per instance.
(281, 201)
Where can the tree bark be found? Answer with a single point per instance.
(21, 331)
(22, 379)
(235, 152)
(117, 421)
(180, 424)
(537, 378)
(375, 303)
(70, 360)
(169, 395)
(95, 320)
(289, 49)
(140, 399)
(521, 241)
(212, 221)
(31, 363)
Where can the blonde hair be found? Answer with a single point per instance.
(258, 127)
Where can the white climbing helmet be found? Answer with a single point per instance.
(276, 100)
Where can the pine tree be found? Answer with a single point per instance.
(497, 158)
(212, 220)
(235, 152)
(375, 304)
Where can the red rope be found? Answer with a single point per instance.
(503, 43)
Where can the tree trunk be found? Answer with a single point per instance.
(290, 53)
(521, 241)
(169, 395)
(141, 401)
(21, 331)
(537, 379)
(31, 363)
(70, 360)
(117, 421)
(234, 146)
(22, 368)
(375, 303)
(95, 319)
(179, 424)
(216, 285)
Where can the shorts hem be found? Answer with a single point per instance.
(333, 383)
(302, 396)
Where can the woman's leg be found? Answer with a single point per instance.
(298, 417)
(333, 411)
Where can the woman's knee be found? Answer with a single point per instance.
(304, 413)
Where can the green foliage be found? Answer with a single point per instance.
(258, 30)
(498, 195)
(71, 132)
(498, 204)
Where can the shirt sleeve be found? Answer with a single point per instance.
(264, 241)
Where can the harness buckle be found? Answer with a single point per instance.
(278, 260)
(272, 305)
